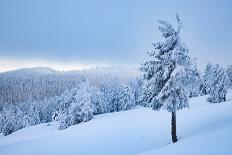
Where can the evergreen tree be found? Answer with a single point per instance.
(98, 98)
(193, 81)
(218, 85)
(76, 106)
(2, 120)
(165, 72)
(208, 77)
(9, 122)
(127, 98)
(229, 76)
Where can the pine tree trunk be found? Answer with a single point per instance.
(174, 137)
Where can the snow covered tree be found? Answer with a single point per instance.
(208, 77)
(229, 76)
(9, 121)
(76, 106)
(165, 71)
(127, 98)
(2, 120)
(98, 98)
(87, 108)
(9, 126)
(35, 113)
(112, 91)
(218, 85)
(49, 109)
(193, 81)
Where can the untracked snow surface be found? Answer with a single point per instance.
(202, 129)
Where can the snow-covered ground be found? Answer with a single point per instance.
(202, 129)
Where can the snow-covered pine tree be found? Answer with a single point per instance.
(127, 98)
(87, 107)
(112, 95)
(2, 119)
(75, 106)
(165, 71)
(35, 113)
(1, 122)
(193, 81)
(99, 100)
(218, 85)
(229, 76)
(9, 125)
(208, 77)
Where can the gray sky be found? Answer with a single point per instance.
(68, 34)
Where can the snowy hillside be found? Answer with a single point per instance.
(203, 129)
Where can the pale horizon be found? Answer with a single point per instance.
(13, 64)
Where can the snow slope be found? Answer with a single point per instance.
(203, 129)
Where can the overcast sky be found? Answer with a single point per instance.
(69, 34)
